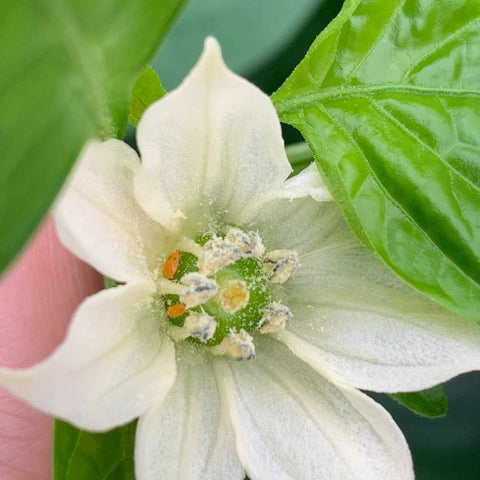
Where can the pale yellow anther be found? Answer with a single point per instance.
(200, 325)
(233, 296)
(218, 253)
(280, 265)
(275, 317)
(198, 289)
(249, 242)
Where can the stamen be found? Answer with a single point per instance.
(199, 289)
(250, 243)
(239, 346)
(177, 310)
(168, 287)
(241, 299)
(275, 317)
(218, 253)
(171, 265)
(200, 325)
(233, 296)
(176, 333)
(280, 265)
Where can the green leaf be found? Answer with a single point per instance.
(147, 89)
(109, 282)
(388, 98)
(299, 155)
(66, 74)
(80, 455)
(431, 403)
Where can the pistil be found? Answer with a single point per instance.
(233, 296)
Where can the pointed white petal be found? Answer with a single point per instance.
(188, 436)
(307, 182)
(99, 219)
(302, 225)
(384, 349)
(110, 368)
(290, 422)
(212, 145)
(353, 316)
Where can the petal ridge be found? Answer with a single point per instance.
(99, 219)
(112, 365)
(298, 425)
(210, 148)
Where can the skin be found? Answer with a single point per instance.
(37, 298)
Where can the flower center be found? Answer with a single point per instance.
(219, 291)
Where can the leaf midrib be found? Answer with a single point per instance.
(330, 94)
(81, 59)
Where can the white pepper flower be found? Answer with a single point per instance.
(222, 258)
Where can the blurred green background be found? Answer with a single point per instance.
(263, 40)
(447, 448)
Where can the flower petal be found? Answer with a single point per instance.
(38, 296)
(111, 366)
(302, 225)
(188, 436)
(99, 219)
(354, 317)
(213, 144)
(290, 422)
(307, 182)
(383, 348)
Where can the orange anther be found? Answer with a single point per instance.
(176, 310)
(171, 265)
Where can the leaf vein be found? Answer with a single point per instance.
(389, 196)
(77, 48)
(420, 142)
(449, 38)
(381, 34)
(74, 450)
(331, 94)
